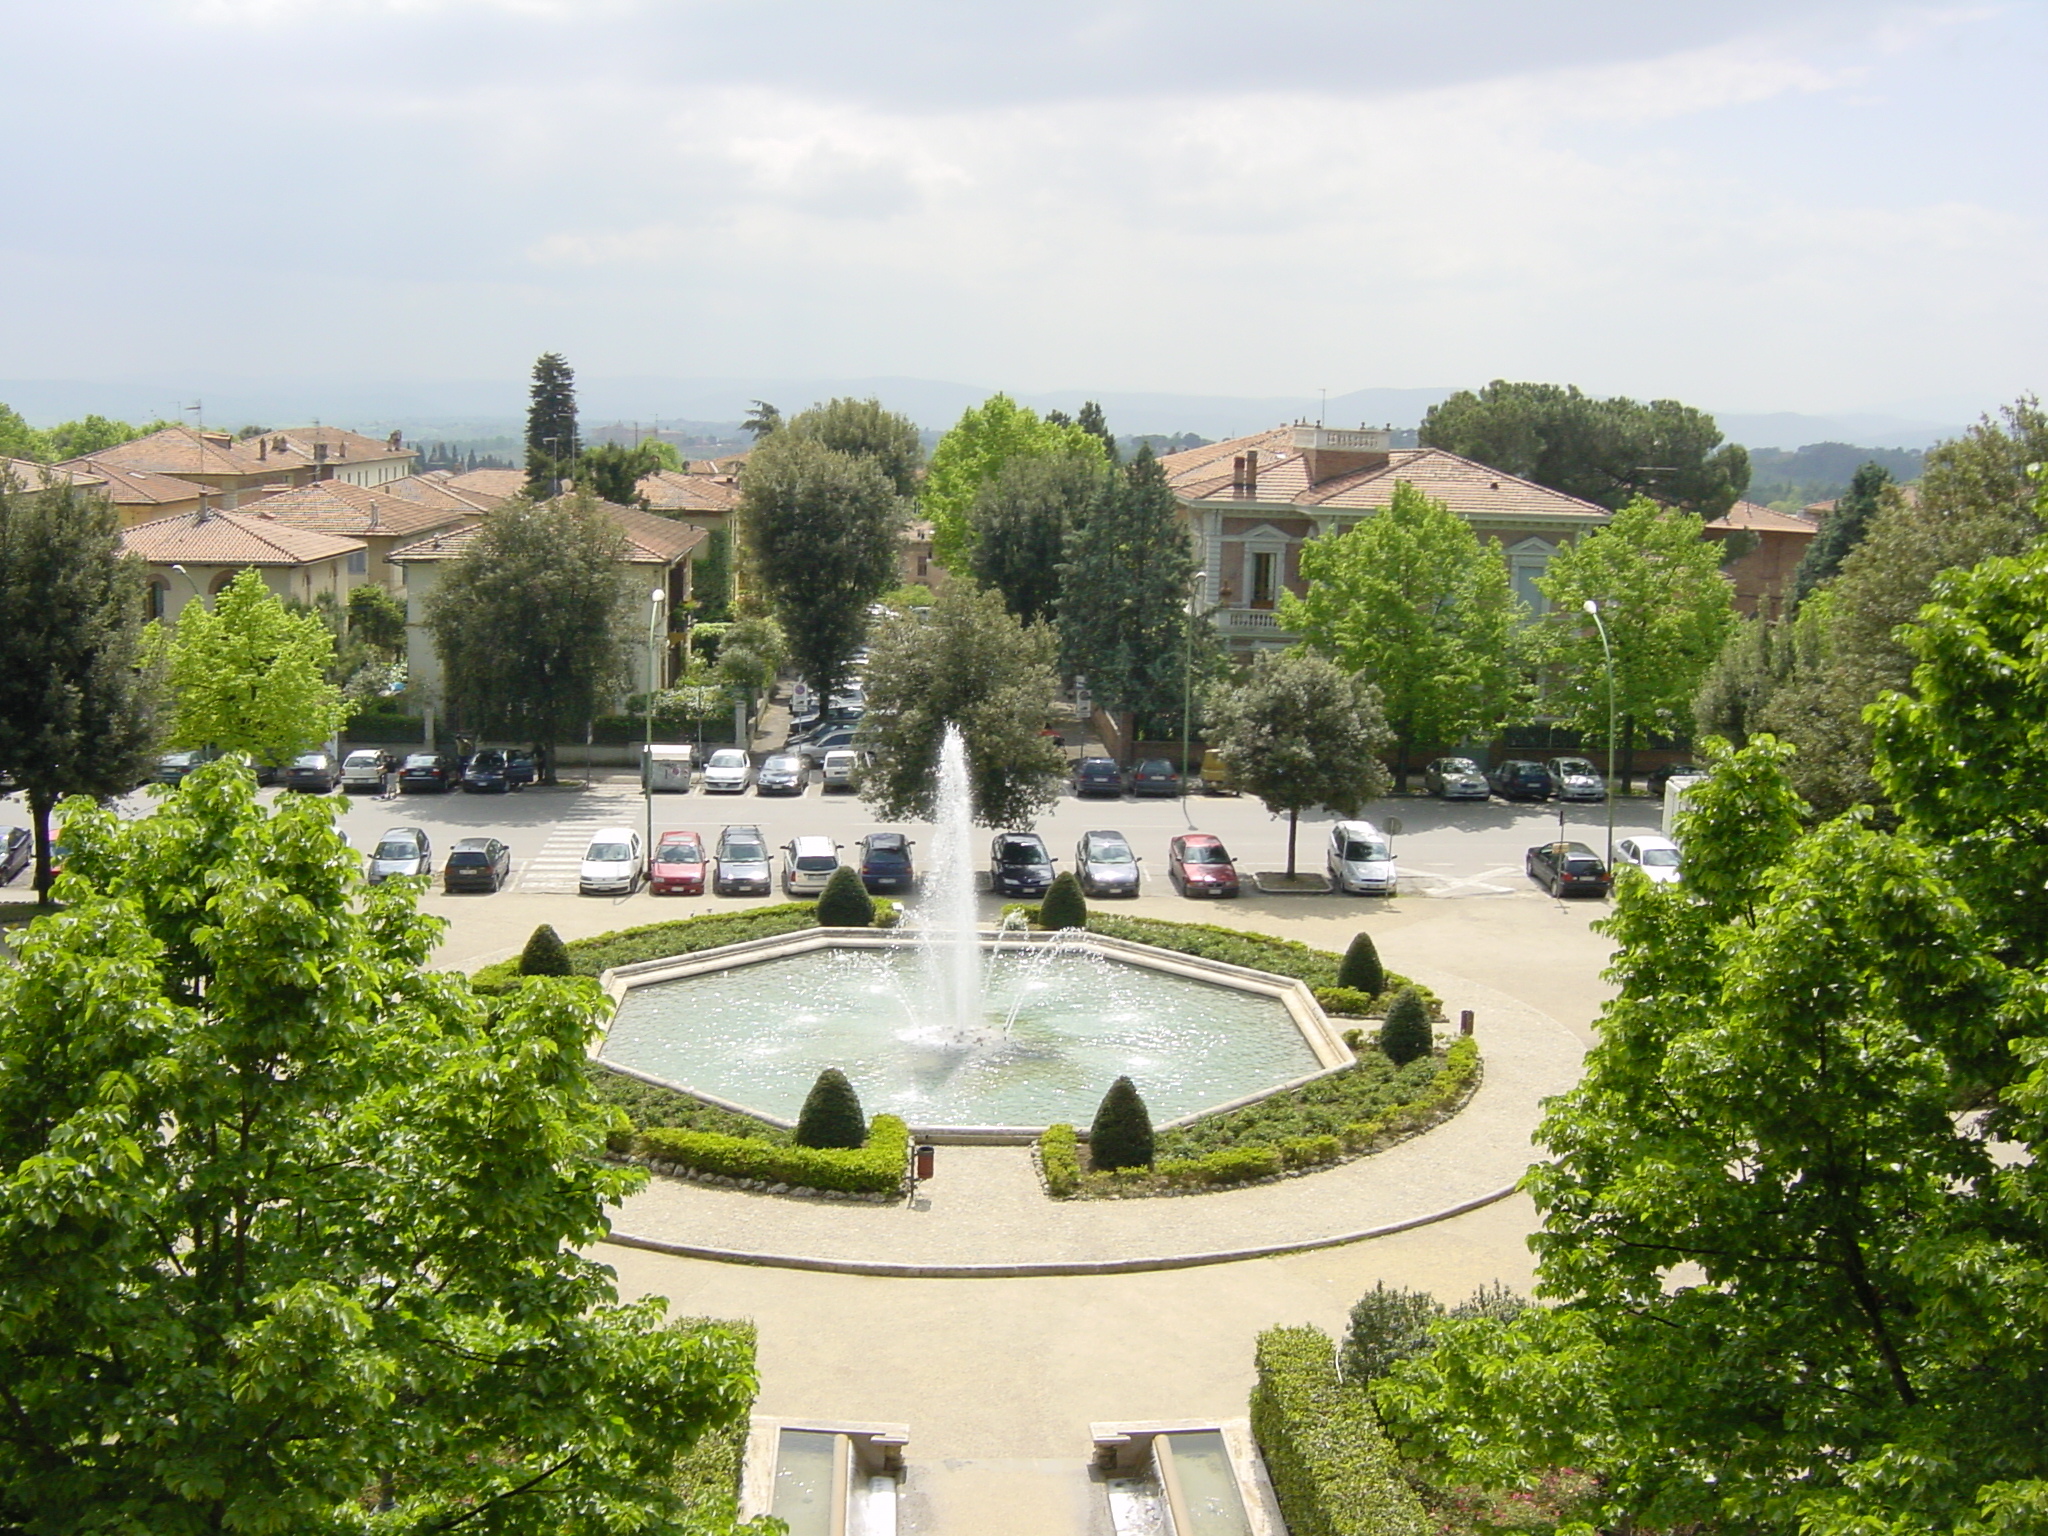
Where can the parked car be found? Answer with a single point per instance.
(477, 864)
(1656, 857)
(173, 767)
(611, 864)
(885, 864)
(727, 771)
(1568, 869)
(814, 748)
(1105, 864)
(17, 852)
(424, 771)
(1519, 779)
(742, 863)
(840, 769)
(677, 867)
(1666, 772)
(1455, 778)
(1217, 779)
(1098, 776)
(313, 773)
(1361, 859)
(401, 851)
(366, 768)
(520, 769)
(783, 774)
(807, 863)
(1155, 776)
(485, 774)
(1019, 864)
(1575, 778)
(1198, 865)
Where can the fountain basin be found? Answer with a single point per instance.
(751, 1025)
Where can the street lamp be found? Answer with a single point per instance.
(654, 601)
(1607, 651)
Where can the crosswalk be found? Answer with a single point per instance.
(553, 871)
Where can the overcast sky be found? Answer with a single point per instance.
(1810, 205)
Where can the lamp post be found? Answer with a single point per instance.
(197, 596)
(1607, 651)
(654, 601)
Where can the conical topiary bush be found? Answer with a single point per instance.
(1121, 1136)
(1361, 970)
(1406, 1033)
(1064, 905)
(845, 902)
(831, 1114)
(545, 954)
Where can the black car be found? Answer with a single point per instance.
(477, 864)
(172, 767)
(1098, 776)
(1155, 776)
(486, 775)
(314, 773)
(884, 862)
(783, 774)
(425, 771)
(17, 852)
(1519, 779)
(1019, 864)
(1663, 775)
(1568, 869)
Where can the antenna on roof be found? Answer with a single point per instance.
(198, 410)
(1323, 410)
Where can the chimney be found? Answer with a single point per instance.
(1327, 452)
(1251, 475)
(262, 450)
(1237, 475)
(319, 453)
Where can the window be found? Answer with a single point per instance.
(157, 600)
(1263, 567)
(359, 562)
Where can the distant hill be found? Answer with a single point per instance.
(1820, 471)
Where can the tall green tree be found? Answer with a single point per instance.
(19, 440)
(1667, 609)
(985, 438)
(529, 622)
(1607, 451)
(820, 529)
(864, 429)
(292, 1224)
(1410, 599)
(1752, 665)
(969, 663)
(551, 438)
(93, 434)
(612, 472)
(1093, 422)
(1842, 529)
(761, 420)
(1022, 518)
(711, 577)
(76, 713)
(1301, 732)
(1126, 591)
(251, 675)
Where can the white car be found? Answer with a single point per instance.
(364, 769)
(611, 864)
(728, 772)
(1656, 857)
(1361, 860)
(807, 864)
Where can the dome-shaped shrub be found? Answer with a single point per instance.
(1406, 1033)
(831, 1114)
(1361, 969)
(1064, 905)
(845, 902)
(545, 954)
(1121, 1136)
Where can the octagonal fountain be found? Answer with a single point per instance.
(967, 1032)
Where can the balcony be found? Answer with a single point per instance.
(1250, 623)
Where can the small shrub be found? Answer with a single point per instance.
(1333, 1471)
(545, 954)
(1121, 1135)
(1355, 1038)
(1063, 906)
(1361, 969)
(845, 902)
(1345, 1002)
(1387, 1326)
(877, 1167)
(831, 1116)
(1405, 1035)
(1059, 1155)
(1311, 1151)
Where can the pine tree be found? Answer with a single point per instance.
(1406, 1034)
(1063, 906)
(1093, 421)
(550, 425)
(845, 902)
(1121, 1135)
(545, 954)
(1841, 530)
(831, 1116)
(1361, 969)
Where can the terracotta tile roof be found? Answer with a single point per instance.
(335, 506)
(499, 483)
(437, 489)
(1750, 514)
(651, 539)
(668, 491)
(182, 450)
(232, 538)
(141, 487)
(448, 544)
(31, 474)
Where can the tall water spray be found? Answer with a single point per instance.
(952, 948)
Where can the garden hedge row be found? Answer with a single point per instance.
(1059, 1156)
(708, 1474)
(875, 1169)
(1333, 1471)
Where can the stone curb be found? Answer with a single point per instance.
(1026, 1269)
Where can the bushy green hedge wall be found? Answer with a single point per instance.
(656, 941)
(1332, 1468)
(708, 1475)
(876, 1168)
(1059, 1154)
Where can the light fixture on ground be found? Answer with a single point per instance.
(1607, 651)
(654, 601)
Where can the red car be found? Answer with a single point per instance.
(1198, 866)
(677, 866)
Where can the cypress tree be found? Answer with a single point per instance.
(1406, 1033)
(545, 954)
(1842, 529)
(1063, 906)
(550, 424)
(1361, 969)
(1121, 1136)
(831, 1116)
(845, 902)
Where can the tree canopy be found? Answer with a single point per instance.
(973, 664)
(1300, 732)
(1841, 529)
(551, 437)
(250, 675)
(981, 442)
(866, 430)
(1413, 601)
(1022, 518)
(612, 471)
(76, 712)
(1606, 451)
(289, 1224)
(529, 620)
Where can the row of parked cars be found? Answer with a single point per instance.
(368, 769)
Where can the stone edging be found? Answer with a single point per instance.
(888, 1270)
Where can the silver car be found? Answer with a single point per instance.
(728, 772)
(401, 851)
(742, 867)
(1105, 864)
(1575, 778)
(808, 864)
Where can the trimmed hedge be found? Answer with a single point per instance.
(845, 902)
(708, 1474)
(1257, 951)
(876, 1168)
(657, 941)
(1059, 1156)
(1333, 1471)
(1064, 905)
(1345, 1002)
(545, 954)
(1361, 969)
(831, 1116)
(647, 1106)
(1121, 1135)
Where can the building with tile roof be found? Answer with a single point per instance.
(1763, 576)
(382, 519)
(193, 555)
(1253, 502)
(704, 499)
(237, 471)
(498, 484)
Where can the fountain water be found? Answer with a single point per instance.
(949, 943)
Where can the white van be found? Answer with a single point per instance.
(1361, 859)
(841, 767)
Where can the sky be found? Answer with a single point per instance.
(1755, 205)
